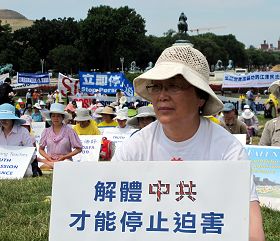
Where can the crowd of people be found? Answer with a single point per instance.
(185, 121)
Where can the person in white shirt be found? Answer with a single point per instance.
(178, 87)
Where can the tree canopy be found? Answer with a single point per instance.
(108, 34)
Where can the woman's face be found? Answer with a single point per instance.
(57, 119)
(122, 123)
(107, 118)
(84, 124)
(7, 124)
(144, 121)
(176, 101)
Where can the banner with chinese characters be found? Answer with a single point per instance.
(266, 171)
(91, 148)
(31, 78)
(195, 200)
(105, 83)
(254, 79)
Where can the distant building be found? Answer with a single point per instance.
(14, 19)
(269, 47)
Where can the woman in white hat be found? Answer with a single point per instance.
(122, 118)
(59, 139)
(11, 131)
(251, 121)
(178, 87)
(145, 116)
(108, 114)
(85, 124)
(36, 115)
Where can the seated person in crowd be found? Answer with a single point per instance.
(108, 114)
(61, 141)
(251, 121)
(178, 87)
(36, 115)
(85, 125)
(145, 116)
(232, 124)
(121, 118)
(11, 131)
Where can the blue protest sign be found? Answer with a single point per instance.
(105, 83)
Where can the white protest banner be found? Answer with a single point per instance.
(241, 138)
(195, 200)
(14, 161)
(254, 79)
(91, 148)
(117, 135)
(38, 128)
(65, 83)
(266, 171)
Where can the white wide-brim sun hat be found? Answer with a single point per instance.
(82, 114)
(186, 61)
(247, 114)
(143, 111)
(274, 88)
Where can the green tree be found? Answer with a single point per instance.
(108, 34)
(65, 58)
(30, 60)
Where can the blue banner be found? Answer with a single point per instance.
(105, 83)
(30, 78)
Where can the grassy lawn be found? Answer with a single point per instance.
(25, 211)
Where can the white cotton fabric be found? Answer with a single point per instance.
(210, 142)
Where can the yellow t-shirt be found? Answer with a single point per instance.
(105, 124)
(91, 129)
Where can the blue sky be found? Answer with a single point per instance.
(251, 21)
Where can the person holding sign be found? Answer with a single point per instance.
(11, 131)
(85, 124)
(178, 87)
(59, 139)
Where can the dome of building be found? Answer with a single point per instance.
(10, 14)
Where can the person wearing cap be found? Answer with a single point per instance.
(36, 115)
(108, 114)
(11, 131)
(60, 140)
(122, 118)
(251, 121)
(145, 116)
(85, 124)
(178, 87)
(232, 123)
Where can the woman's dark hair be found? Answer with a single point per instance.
(202, 95)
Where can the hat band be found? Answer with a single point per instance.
(7, 112)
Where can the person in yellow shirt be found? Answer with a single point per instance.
(85, 124)
(108, 114)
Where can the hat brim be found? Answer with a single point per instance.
(167, 70)
(274, 88)
(247, 116)
(134, 120)
(8, 116)
(86, 118)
